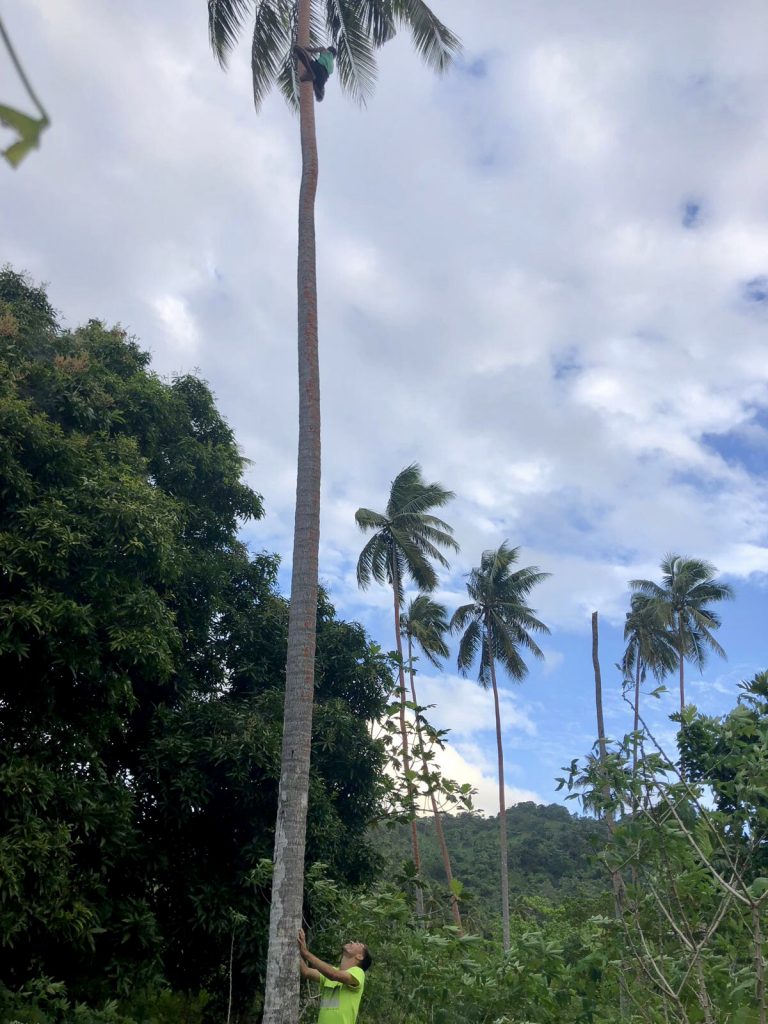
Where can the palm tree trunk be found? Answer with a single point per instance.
(281, 1002)
(404, 738)
(681, 652)
(617, 882)
(636, 724)
(435, 811)
(502, 799)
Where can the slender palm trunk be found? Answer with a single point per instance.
(404, 738)
(617, 882)
(435, 811)
(636, 724)
(681, 656)
(281, 1004)
(502, 798)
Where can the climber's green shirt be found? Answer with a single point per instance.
(325, 57)
(339, 1003)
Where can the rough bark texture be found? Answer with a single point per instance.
(404, 739)
(502, 799)
(281, 1005)
(435, 811)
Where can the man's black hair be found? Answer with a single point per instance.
(367, 960)
(332, 49)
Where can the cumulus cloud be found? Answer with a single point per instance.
(515, 289)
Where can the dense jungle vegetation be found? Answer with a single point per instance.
(142, 654)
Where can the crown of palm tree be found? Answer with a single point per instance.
(408, 537)
(426, 623)
(688, 585)
(498, 615)
(650, 643)
(357, 28)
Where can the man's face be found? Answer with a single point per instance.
(354, 950)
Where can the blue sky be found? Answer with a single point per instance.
(543, 277)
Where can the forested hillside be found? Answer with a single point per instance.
(552, 853)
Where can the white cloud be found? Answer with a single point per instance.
(178, 323)
(465, 708)
(454, 765)
(507, 291)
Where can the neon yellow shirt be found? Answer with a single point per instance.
(339, 1003)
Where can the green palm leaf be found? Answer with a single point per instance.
(355, 60)
(433, 41)
(226, 19)
(357, 28)
(679, 604)
(426, 624)
(411, 536)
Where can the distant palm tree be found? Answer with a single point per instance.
(407, 539)
(425, 625)
(496, 625)
(356, 28)
(688, 585)
(650, 647)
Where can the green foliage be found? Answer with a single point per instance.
(44, 1001)
(557, 970)
(498, 623)
(142, 657)
(357, 30)
(695, 903)
(552, 854)
(680, 603)
(407, 537)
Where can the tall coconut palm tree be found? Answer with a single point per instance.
(357, 28)
(424, 625)
(650, 647)
(496, 626)
(406, 540)
(687, 586)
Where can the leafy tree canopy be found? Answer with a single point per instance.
(142, 654)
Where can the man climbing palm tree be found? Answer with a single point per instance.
(317, 70)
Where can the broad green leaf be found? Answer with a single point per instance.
(29, 130)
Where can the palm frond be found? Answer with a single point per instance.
(373, 562)
(469, 645)
(648, 639)
(367, 519)
(406, 482)
(435, 44)
(498, 596)
(679, 602)
(648, 588)
(225, 23)
(379, 21)
(424, 497)
(416, 562)
(356, 63)
(271, 50)
(505, 651)
(426, 622)
(462, 616)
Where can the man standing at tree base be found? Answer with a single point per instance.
(341, 988)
